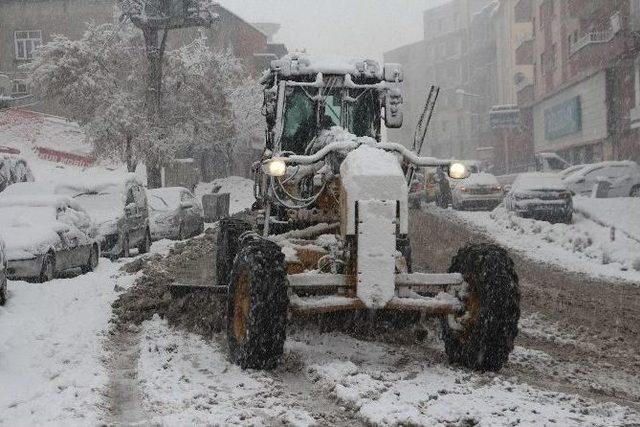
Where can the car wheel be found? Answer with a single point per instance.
(92, 263)
(145, 244)
(3, 292)
(635, 191)
(48, 268)
(124, 252)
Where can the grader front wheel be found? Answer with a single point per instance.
(483, 336)
(257, 306)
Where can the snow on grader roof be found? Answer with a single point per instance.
(302, 64)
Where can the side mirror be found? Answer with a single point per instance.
(392, 109)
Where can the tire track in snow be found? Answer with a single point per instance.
(124, 397)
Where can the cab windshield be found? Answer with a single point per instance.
(305, 116)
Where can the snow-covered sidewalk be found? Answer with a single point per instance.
(623, 213)
(585, 246)
(51, 348)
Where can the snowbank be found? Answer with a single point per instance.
(621, 212)
(583, 246)
(240, 189)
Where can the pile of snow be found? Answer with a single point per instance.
(583, 246)
(240, 190)
(620, 212)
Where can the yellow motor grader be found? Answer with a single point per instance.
(332, 230)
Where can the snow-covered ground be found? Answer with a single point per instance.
(585, 246)
(51, 352)
(620, 212)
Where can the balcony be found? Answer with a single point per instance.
(598, 37)
(524, 52)
(523, 11)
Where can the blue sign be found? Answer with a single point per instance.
(563, 119)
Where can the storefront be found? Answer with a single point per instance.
(573, 122)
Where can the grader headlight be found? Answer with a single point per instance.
(274, 167)
(458, 171)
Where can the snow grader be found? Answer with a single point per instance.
(331, 232)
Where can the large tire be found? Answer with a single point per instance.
(92, 263)
(483, 337)
(48, 270)
(145, 245)
(257, 306)
(227, 246)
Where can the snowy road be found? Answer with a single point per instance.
(573, 364)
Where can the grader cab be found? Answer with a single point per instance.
(332, 228)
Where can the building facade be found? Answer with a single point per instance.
(445, 58)
(583, 96)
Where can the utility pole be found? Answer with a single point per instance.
(155, 18)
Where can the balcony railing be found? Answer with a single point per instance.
(594, 37)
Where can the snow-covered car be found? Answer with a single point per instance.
(623, 177)
(174, 213)
(478, 191)
(119, 208)
(14, 169)
(540, 195)
(45, 235)
(3, 274)
(570, 171)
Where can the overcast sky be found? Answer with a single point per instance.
(348, 27)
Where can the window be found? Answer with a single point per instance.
(26, 42)
(19, 87)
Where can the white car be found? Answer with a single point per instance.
(478, 191)
(174, 213)
(623, 176)
(45, 235)
(540, 196)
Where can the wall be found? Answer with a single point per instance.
(592, 93)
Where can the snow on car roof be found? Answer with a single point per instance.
(538, 181)
(109, 185)
(480, 178)
(593, 166)
(28, 188)
(38, 201)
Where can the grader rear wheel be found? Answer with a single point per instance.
(257, 306)
(483, 336)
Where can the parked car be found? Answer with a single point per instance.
(540, 196)
(46, 235)
(119, 208)
(478, 191)
(3, 273)
(623, 177)
(571, 170)
(14, 169)
(174, 213)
